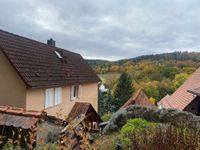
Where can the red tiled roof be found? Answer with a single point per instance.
(19, 117)
(24, 122)
(82, 108)
(38, 65)
(181, 98)
(138, 98)
(21, 111)
(164, 102)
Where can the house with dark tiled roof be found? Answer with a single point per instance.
(139, 98)
(39, 76)
(186, 97)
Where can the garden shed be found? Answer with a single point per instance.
(85, 113)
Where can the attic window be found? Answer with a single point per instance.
(58, 55)
(37, 74)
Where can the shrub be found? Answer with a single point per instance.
(161, 136)
(48, 146)
(173, 116)
(134, 124)
(166, 139)
(107, 142)
(117, 120)
(9, 146)
(106, 117)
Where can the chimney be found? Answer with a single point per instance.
(51, 42)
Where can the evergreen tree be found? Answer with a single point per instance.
(123, 89)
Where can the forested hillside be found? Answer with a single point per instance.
(157, 75)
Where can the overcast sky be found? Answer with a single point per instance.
(107, 29)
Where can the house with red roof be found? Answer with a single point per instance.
(40, 76)
(138, 98)
(186, 97)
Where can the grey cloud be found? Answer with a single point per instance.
(109, 29)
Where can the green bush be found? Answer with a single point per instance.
(48, 146)
(143, 136)
(175, 117)
(9, 146)
(133, 124)
(106, 117)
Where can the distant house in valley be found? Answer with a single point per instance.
(28, 127)
(103, 88)
(39, 76)
(139, 98)
(186, 97)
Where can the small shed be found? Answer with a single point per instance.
(27, 128)
(85, 110)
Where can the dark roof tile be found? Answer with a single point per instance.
(39, 66)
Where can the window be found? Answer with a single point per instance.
(53, 96)
(49, 97)
(75, 93)
(58, 95)
(58, 55)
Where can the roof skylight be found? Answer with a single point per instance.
(58, 55)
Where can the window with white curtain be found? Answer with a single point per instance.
(58, 95)
(53, 96)
(49, 97)
(75, 92)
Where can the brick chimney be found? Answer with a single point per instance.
(51, 42)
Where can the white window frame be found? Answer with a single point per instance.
(58, 55)
(75, 96)
(49, 97)
(58, 96)
(53, 96)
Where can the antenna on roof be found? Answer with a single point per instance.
(51, 42)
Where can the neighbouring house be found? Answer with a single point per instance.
(186, 97)
(84, 113)
(28, 127)
(39, 76)
(103, 88)
(139, 98)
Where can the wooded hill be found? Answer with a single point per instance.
(157, 75)
(164, 58)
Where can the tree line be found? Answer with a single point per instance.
(156, 77)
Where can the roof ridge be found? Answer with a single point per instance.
(137, 95)
(28, 56)
(39, 42)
